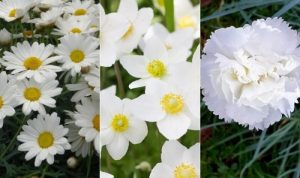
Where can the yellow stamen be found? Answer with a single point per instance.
(77, 56)
(156, 68)
(120, 123)
(45, 140)
(172, 103)
(32, 93)
(32, 63)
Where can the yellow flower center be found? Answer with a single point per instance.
(80, 12)
(75, 30)
(156, 68)
(77, 56)
(185, 171)
(32, 63)
(96, 122)
(120, 123)
(161, 3)
(32, 94)
(172, 103)
(1, 102)
(45, 140)
(187, 21)
(12, 13)
(128, 33)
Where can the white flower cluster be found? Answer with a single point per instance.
(172, 84)
(250, 74)
(57, 53)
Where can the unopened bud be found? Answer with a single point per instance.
(72, 162)
(5, 37)
(144, 166)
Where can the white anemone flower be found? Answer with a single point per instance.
(178, 43)
(11, 10)
(105, 175)
(31, 61)
(250, 74)
(177, 161)
(118, 125)
(139, 22)
(173, 108)
(33, 96)
(187, 16)
(112, 27)
(154, 64)
(43, 137)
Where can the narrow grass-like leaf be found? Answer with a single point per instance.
(286, 8)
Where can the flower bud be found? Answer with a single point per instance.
(5, 37)
(143, 166)
(72, 162)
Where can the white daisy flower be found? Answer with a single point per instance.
(177, 161)
(77, 51)
(178, 43)
(112, 27)
(72, 25)
(250, 75)
(139, 21)
(78, 143)
(87, 118)
(7, 97)
(80, 8)
(93, 78)
(82, 88)
(46, 4)
(33, 96)
(118, 125)
(173, 108)
(187, 16)
(31, 61)
(153, 65)
(43, 137)
(11, 10)
(47, 18)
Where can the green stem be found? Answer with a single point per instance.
(13, 139)
(169, 5)
(119, 80)
(89, 165)
(44, 171)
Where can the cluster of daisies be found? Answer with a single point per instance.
(172, 83)
(35, 74)
(250, 74)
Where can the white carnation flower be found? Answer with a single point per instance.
(248, 74)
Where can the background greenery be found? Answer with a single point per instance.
(150, 149)
(231, 150)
